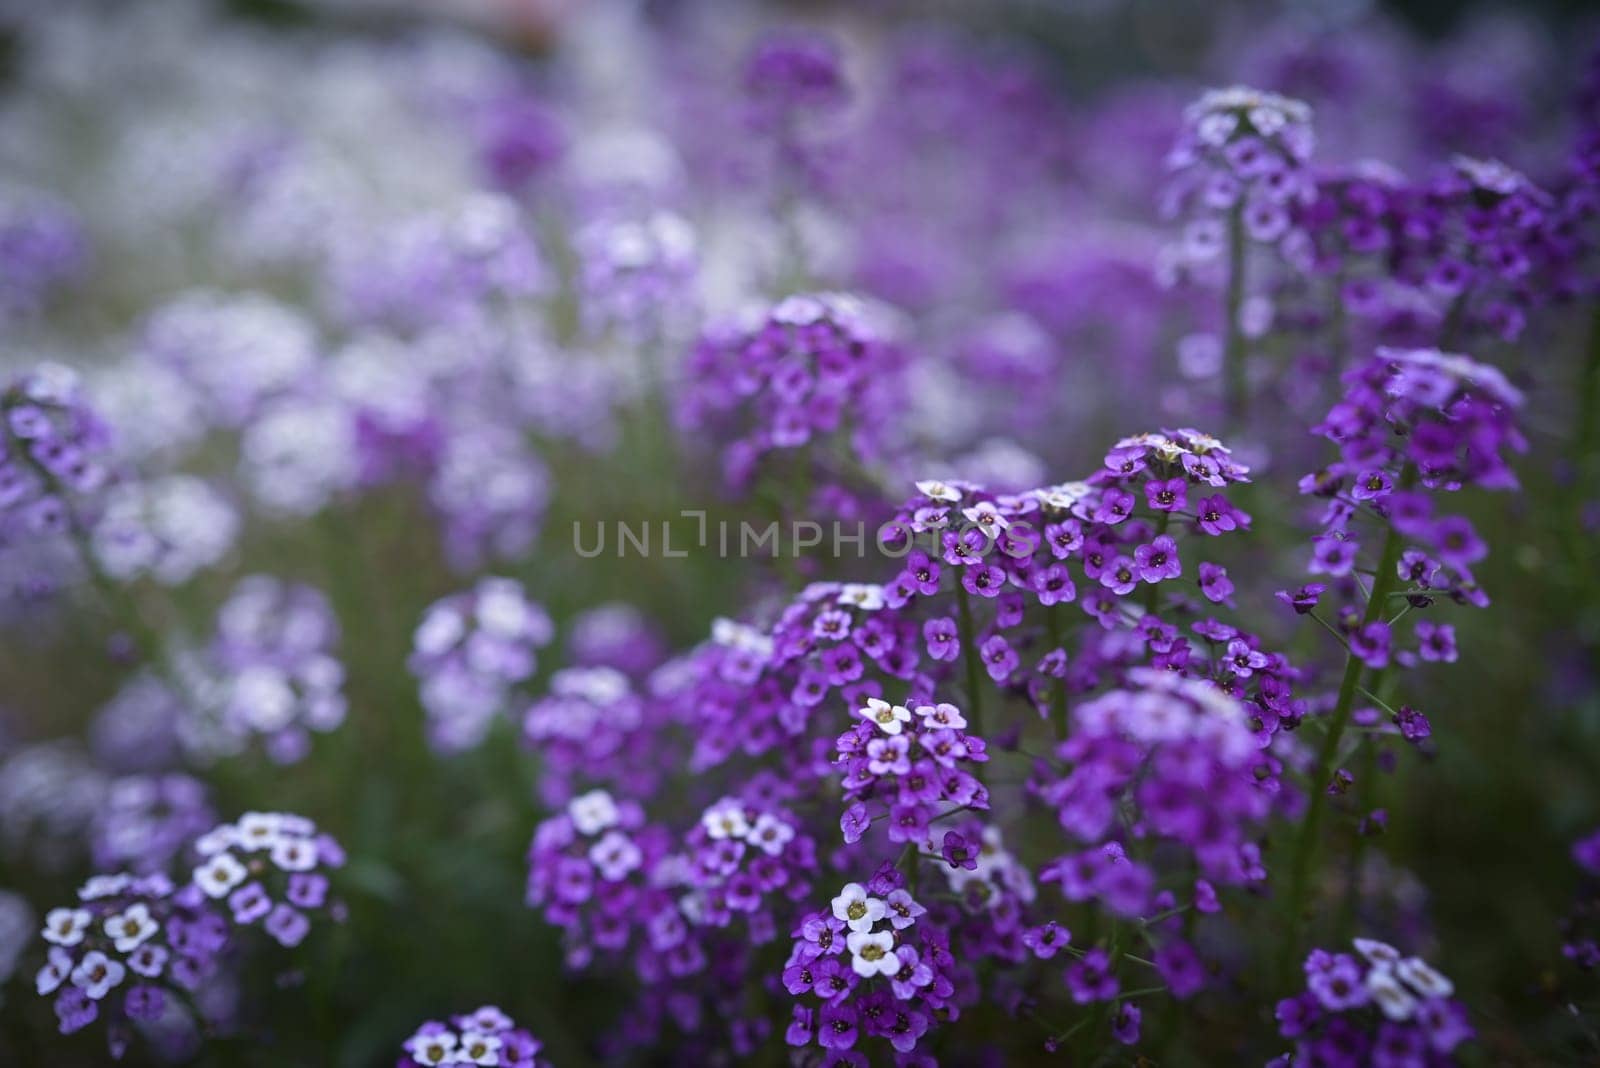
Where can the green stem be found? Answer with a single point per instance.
(1306, 842)
(1053, 621)
(1588, 430)
(970, 653)
(1235, 396)
(1152, 592)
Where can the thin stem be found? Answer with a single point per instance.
(1235, 387)
(1305, 845)
(1053, 621)
(1152, 592)
(969, 646)
(1588, 430)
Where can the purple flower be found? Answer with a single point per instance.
(1436, 642)
(1413, 724)
(1091, 979)
(1370, 644)
(1158, 560)
(1214, 583)
(943, 638)
(1125, 1024)
(1171, 495)
(957, 852)
(999, 659)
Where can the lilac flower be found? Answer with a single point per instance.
(279, 677)
(129, 943)
(1375, 999)
(269, 866)
(469, 652)
(485, 1037)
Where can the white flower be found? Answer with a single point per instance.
(294, 854)
(55, 972)
(1424, 979)
(97, 974)
(858, 911)
(258, 830)
(65, 927)
(866, 596)
(132, 928)
(1395, 1001)
(432, 1049)
(725, 819)
(439, 631)
(478, 1048)
(770, 834)
(1378, 953)
(986, 516)
(103, 886)
(593, 812)
(890, 719)
(219, 875)
(935, 490)
(615, 856)
(216, 840)
(872, 954)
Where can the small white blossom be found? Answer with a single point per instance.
(935, 490)
(432, 1049)
(258, 830)
(890, 719)
(219, 875)
(1422, 978)
(65, 927)
(1380, 954)
(97, 974)
(593, 812)
(615, 855)
(725, 819)
(770, 834)
(872, 954)
(1395, 1001)
(131, 929)
(858, 911)
(866, 596)
(100, 886)
(478, 1048)
(294, 854)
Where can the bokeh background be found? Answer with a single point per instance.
(302, 151)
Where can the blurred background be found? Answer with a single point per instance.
(994, 174)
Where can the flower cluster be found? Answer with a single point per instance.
(132, 948)
(588, 728)
(871, 966)
(470, 651)
(147, 820)
(1376, 1007)
(747, 861)
(593, 870)
(167, 528)
(53, 449)
(1413, 423)
(275, 651)
(1241, 164)
(1173, 762)
(486, 1037)
(43, 247)
(817, 372)
(913, 764)
(270, 868)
